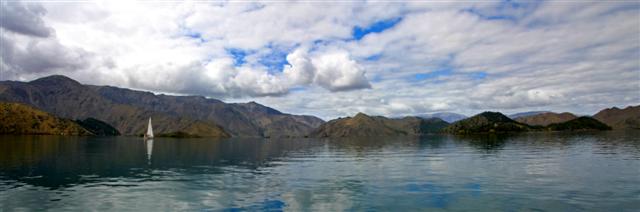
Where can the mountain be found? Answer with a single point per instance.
(526, 114)
(17, 118)
(239, 119)
(581, 123)
(446, 116)
(67, 98)
(128, 110)
(545, 118)
(486, 122)
(362, 125)
(413, 125)
(627, 118)
(97, 127)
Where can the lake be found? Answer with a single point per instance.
(595, 171)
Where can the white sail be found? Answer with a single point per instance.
(149, 130)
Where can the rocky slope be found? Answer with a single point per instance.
(362, 125)
(18, 118)
(486, 122)
(627, 118)
(239, 119)
(128, 110)
(545, 118)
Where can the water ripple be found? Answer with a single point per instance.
(545, 172)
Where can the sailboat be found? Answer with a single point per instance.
(149, 134)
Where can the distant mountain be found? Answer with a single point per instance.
(581, 123)
(19, 119)
(446, 116)
(545, 118)
(128, 110)
(239, 119)
(417, 125)
(486, 122)
(627, 118)
(98, 127)
(526, 114)
(362, 125)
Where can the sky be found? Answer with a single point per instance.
(334, 59)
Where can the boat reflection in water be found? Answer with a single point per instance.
(149, 143)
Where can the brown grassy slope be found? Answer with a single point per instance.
(363, 125)
(545, 119)
(627, 118)
(17, 118)
(360, 125)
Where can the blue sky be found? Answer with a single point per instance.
(376, 27)
(332, 60)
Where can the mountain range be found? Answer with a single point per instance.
(545, 118)
(128, 110)
(526, 114)
(446, 116)
(616, 118)
(627, 118)
(362, 125)
(486, 122)
(107, 110)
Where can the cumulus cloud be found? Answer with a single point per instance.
(335, 71)
(222, 77)
(23, 18)
(159, 54)
(40, 56)
(30, 47)
(300, 69)
(458, 57)
(243, 80)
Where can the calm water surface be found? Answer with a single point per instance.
(530, 172)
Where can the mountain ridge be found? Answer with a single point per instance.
(486, 122)
(446, 116)
(526, 114)
(627, 118)
(363, 125)
(127, 109)
(546, 118)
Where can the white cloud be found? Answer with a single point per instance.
(29, 47)
(455, 57)
(336, 71)
(300, 69)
